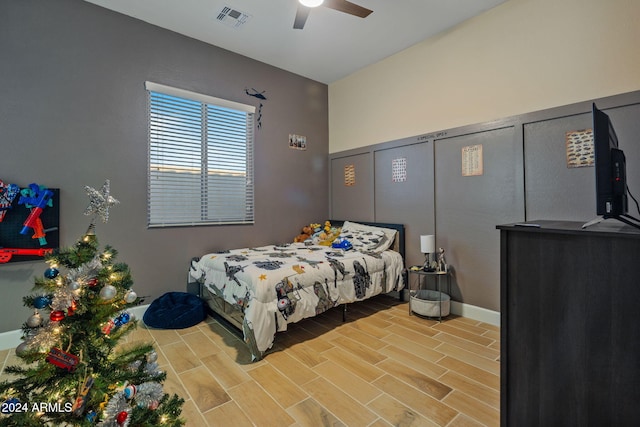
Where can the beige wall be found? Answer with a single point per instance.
(523, 56)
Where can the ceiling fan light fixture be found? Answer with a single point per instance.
(311, 3)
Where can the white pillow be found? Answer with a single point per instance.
(367, 237)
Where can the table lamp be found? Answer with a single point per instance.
(427, 247)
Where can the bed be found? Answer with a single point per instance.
(263, 289)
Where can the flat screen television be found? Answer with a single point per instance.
(610, 167)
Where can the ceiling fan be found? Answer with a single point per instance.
(305, 6)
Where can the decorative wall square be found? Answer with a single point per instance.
(399, 170)
(472, 163)
(349, 175)
(580, 151)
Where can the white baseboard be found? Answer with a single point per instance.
(476, 313)
(12, 339)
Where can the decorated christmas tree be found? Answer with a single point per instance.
(77, 370)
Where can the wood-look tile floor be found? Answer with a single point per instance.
(382, 367)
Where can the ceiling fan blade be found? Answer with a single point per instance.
(347, 7)
(301, 17)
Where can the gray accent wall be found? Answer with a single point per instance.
(467, 209)
(407, 202)
(525, 177)
(73, 112)
(353, 201)
(546, 161)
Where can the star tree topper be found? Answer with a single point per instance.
(99, 202)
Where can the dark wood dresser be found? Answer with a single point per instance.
(570, 324)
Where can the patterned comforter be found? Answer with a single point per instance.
(278, 285)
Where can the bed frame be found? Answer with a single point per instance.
(235, 316)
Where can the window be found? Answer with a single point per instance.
(200, 159)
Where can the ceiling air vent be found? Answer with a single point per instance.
(232, 18)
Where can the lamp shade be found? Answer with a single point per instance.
(428, 244)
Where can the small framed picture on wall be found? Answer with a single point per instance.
(297, 142)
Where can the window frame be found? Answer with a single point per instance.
(161, 214)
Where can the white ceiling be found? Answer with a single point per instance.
(332, 44)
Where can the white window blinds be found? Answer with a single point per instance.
(200, 159)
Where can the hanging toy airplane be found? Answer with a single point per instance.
(255, 93)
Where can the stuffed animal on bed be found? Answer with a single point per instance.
(325, 238)
(306, 233)
(318, 234)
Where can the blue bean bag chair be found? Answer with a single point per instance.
(175, 310)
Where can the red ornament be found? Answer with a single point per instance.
(92, 282)
(108, 327)
(56, 316)
(122, 417)
(63, 359)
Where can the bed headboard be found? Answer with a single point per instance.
(398, 245)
